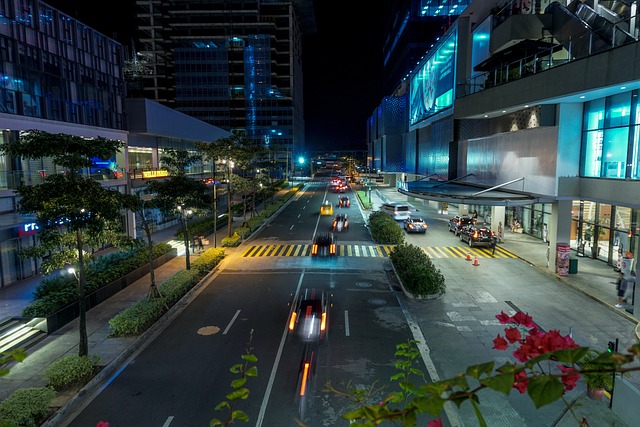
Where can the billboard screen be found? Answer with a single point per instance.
(432, 86)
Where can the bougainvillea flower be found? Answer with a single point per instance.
(523, 319)
(435, 423)
(102, 424)
(570, 379)
(520, 382)
(500, 343)
(512, 335)
(504, 318)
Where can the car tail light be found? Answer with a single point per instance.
(323, 322)
(332, 249)
(334, 224)
(292, 322)
(475, 235)
(314, 250)
(305, 373)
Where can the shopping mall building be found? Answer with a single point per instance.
(528, 114)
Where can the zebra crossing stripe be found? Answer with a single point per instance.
(377, 251)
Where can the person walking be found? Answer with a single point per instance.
(200, 244)
(621, 286)
(500, 232)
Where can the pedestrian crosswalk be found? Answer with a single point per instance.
(375, 251)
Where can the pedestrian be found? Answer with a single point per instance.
(500, 232)
(200, 244)
(621, 286)
(548, 254)
(194, 245)
(475, 214)
(494, 242)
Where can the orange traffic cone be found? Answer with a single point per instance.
(475, 261)
(468, 256)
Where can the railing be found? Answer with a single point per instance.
(572, 47)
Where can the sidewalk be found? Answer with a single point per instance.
(592, 279)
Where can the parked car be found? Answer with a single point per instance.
(415, 225)
(310, 315)
(457, 222)
(326, 208)
(324, 244)
(477, 236)
(340, 223)
(344, 202)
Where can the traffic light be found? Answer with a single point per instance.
(611, 347)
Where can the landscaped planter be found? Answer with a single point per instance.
(409, 294)
(61, 317)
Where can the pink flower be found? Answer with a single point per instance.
(569, 381)
(513, 335)
(435, 423)
(523, 319)
(102, 424)
(520, 382)
(503, 318)
(500, 343)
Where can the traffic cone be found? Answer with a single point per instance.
(468, 256)
(475, 261)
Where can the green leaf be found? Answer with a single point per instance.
(215, 422)
(236, 369)
(242, 393)
(222, 405)
(432, 405)
(570, 355)
(252, 371)
(240, 416)
(476, 371)
(239, 382)
(544, 390)
(501, 383)
(249, 358)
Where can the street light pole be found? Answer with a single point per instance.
(215, 205)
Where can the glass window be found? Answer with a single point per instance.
(618, 110)
(594, 114)
(591, 153)
(614, 152)
(635, 154)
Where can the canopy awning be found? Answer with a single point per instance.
(469, 193)
(522, 49)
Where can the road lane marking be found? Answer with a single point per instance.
(233, 319)
(346, 323)
(291, 228)
(166, 423)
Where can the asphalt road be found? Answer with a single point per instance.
(179, 377)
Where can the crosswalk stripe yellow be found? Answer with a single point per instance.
(439, 252)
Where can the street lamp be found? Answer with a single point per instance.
(184, 215)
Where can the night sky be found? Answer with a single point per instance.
(342, 64)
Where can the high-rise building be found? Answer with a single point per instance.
(232, 64)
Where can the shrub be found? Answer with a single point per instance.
(70, 371)
(416, 271)
(27, 406)
(140, 316)
(364, 199)
(233, 241)
(56, 292)
(384, 229)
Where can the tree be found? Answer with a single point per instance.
(238, 150)
(69, 205)
(140, 208)
(180, 194)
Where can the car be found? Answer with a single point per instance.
(344, 202)
(457, 222)
(340, 223)
(477, 236)
(310, 314)
(326, 208)
(415, 225)
(324, 244)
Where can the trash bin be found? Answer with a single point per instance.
(573, 266)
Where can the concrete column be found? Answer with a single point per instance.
(463, 209)
(559, 228)
(497, 217)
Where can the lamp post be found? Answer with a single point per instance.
(184, 213)
(215, 205)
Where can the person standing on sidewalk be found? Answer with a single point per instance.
(621, 286)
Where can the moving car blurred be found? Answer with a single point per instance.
(344, 202)
(457, 222)
(477, 236)
(326, 208)
(324, 244)
(340, 223)
(415, 225)
(310, 314)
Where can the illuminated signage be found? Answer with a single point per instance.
(432, 85)
(28, 229)
(155, 174)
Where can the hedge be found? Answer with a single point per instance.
(27, 407)
(71, 370)
(416, 271)
(384, 229)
